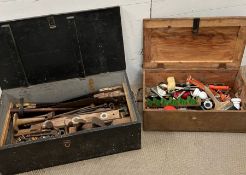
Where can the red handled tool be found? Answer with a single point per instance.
(219, 87)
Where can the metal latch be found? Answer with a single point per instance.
(160, 65)
(196, 24)
(51, 21)
(222, 66)
(67, 143)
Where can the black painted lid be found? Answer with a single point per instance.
(59, 47)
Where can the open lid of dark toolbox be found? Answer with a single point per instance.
(58, 47)
(200, 43)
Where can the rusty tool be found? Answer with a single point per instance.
(74, 124)
(47, 125)
(17, 121)
(82, 110)
(66, 120)
(111, 94)
(26, 105)
(97, 122)
(29, 132)
(32, 136)
(14, 110)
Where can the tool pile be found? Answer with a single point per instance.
(192, 95)
(32, 121)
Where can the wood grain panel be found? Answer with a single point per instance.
(3, 137)
(188, 22)
(229, 121)
(154, 77)
(174, 46)
(177, 45)
(213, 55)
(240, 85)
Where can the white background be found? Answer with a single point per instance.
(133, 12)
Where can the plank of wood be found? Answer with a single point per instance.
(240, 86)
(129, 105)
(223, 121)
(115, 122)
(144, 89)
(6, 126)
(122, 121)
(188, 22)
(240, 46)
(147, 44)
(154, 77)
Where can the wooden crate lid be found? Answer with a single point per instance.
(206, 43)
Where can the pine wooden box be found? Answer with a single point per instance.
(208, 49)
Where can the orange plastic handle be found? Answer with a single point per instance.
(219, 87)
(198, 84)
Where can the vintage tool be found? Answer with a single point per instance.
(66, 120)
(47, 125)
(73, 125)
(195, 82)
(47, 116)
(29, 132)
(124, 111)
(37, 135)
(17, 122)
(110, 94)
(208, 104)
(26, 105)
(97, 122)
(82, 110)
(14, 110)
(226, 88)
(78, 121)
(107, 89)
(236, 102)
(218, 105)
(198, 84)
(171, 84)
(224, 97)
